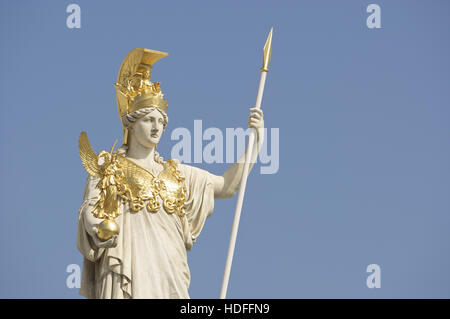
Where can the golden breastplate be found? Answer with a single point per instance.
(122, 180)
(145, 189)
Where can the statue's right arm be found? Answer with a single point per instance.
(90, 222)
(91, 195)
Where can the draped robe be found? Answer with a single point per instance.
(150, 259)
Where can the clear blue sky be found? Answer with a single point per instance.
(363, 116)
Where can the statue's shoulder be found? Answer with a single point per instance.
(173, 162)
(191, 172)
(176, 168)
(184, 168)
(185, 172)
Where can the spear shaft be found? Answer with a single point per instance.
(237, 214)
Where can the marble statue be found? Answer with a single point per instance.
(140, 214)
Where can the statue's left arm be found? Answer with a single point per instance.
(226, 185)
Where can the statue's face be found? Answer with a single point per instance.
(149, 128)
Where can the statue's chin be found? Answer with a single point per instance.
(148, 142)
(154, 141)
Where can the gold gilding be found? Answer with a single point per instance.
(125, 136)
(267, 52)
(107, 229)
(134, 88)
(122, 179)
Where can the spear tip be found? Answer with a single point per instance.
(267, 52)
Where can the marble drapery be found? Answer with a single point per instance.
(150, 259)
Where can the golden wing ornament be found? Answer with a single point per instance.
(140, 181)
(88, 157)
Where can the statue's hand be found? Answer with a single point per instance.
(256, 121)
(110, 243)
(256, 118)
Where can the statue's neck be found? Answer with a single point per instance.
(140, 153)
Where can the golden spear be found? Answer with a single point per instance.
(237, 215)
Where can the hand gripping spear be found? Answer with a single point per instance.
(237, 215)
